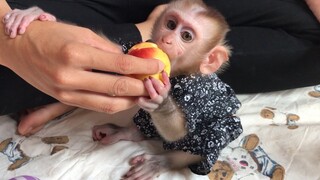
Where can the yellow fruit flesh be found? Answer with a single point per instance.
(151, 50)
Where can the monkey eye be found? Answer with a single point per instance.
(186, 36)
(171, 25)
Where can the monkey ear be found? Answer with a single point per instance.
(217, 56)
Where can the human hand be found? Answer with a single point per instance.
(58, 59)
(158, 92)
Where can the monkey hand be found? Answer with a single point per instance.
(17, 21)
(150, 50)
(158, 93)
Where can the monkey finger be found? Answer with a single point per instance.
(25, 22)
(22, 29)
(145, 174)
(148, 84)
(154, 88)
(165, 79)
(6, 17)
(97, 102)
(147, 105)
(15, 25)
(98, 132)
(138, 159)
(97, 135)
(156, 100)
(135, 172)
(113, 138)
(141, 171)
(8, 24)
(160, 88)
(47, 17)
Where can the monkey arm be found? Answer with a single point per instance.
(169, 120)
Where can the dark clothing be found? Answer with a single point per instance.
(209, 106)
(275, 42)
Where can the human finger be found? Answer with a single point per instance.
(115, 62)
(97, 102)
(106, 83)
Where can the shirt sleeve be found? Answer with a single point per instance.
(123, 33)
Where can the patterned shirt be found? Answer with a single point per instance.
(209, 106)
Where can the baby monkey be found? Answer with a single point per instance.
(193, 111)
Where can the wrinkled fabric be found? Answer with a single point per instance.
(209, 106)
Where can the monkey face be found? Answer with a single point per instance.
(179, 34)
(188, 32)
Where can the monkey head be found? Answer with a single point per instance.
(192, 34)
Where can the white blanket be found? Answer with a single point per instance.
(280, 139)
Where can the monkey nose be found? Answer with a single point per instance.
(166, 40)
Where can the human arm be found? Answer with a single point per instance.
(58, 59)
(314, 6)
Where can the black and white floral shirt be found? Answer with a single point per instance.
(209, 106)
